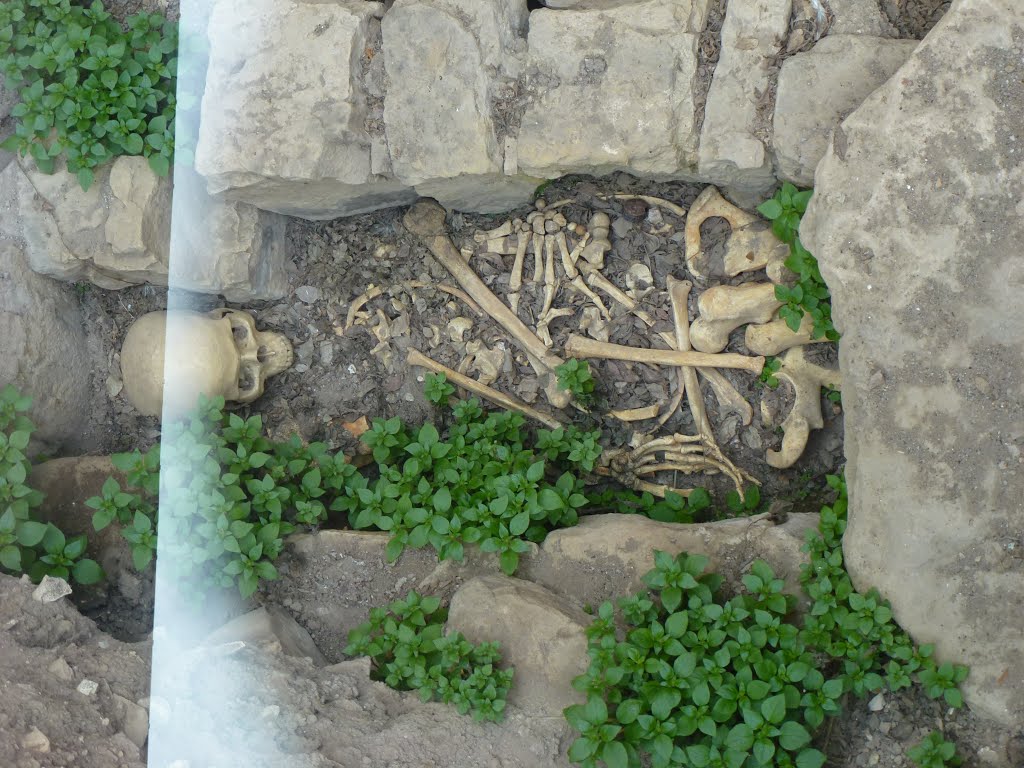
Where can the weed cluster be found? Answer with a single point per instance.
(26, 544)
(809, 296)
(90, 90)
(699, 680)
(575, 377)
(409, 651)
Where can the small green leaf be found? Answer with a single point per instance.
(87, 572)
(31, 533)
(770, 209)
(614, 755)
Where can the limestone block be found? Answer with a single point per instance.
(443, 59)
(860, 17)
(613, 90)
(118, 232)
(605, 556)
(283, 112)
(270, 628)
(43, 347)
(819, 88)
(541, 635)
(731, 153)
(917, 224)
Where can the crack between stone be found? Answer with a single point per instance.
(709, 47)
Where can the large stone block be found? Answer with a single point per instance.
(732, 152)
(43, 348)
(283, 111)
(613, 90)
(917, 223)
(443, 60)
(860, 17)
(541, 634)
(118, 232)
(819, 88)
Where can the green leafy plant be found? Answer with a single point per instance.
(409, 651)
(809, 296)
(748, 504)
(934, 752)
(90, 90)
(26, 544)
(697, 679)
(574, 376)
(673, 508)
(767, 377)
(436, 388)
(833, 395)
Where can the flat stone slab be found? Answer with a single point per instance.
(917, 224)
(731, 154)
(613, 90)
(819, 88)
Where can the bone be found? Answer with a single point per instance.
(807, 379)
(573, 259)
(729, 400)
(746, 249)
(501, 230)
(563, 251)
(515, 282)
(359, 302)
(538, 257)
(776, 337)
(679, 291)
(550, 286)
(599, 282)
(582, 347)
(543, 325)
(425, 220)
(582, 287)
(449, 289)
(599, 243)
(420, 360)
(594, 324)
(636, 414)
(668, 206)
(485, 361)
(500, 245)
(724, 308)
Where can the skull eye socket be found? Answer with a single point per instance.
(239, 332)
(246, 379)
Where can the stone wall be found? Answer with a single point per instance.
(476, 104)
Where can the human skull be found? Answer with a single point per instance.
(219, 353)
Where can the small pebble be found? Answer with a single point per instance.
(877, 704)
(60, 669)
(88, 687)
(327, 352)
(270, 711)
(36, 741)
(51, 589)
(307, 293)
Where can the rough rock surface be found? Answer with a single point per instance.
(48, 655)
(612, 90)
(817, 89)
(443, 58)
(731, 155)
(605, 556)
(118, 232)
(541, 635)
(917, 224)
(283, 112)
(43, 347)
(860, 17)
(268, 628)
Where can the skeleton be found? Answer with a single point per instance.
(219, 353)
(807, 379)
(776, 337)
(747, 249)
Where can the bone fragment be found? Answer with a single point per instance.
(486, 361)
(594, 324)
(359, 302)
(807, 379)
(679, 291)
(543, 325)
(599, 282)
(582, 347)
(550, 286)
(573, 258)
(417, 358)
(636, 414)
(501, 230)
(449, 289)
(746, 250)
(776, 337)
(599, 243)
(639, 280)
(563, 251)
(425, 220)
(500, 245)
(458, 327)
(668, 206)
(580, 286)
(729, 399)
(724, 308)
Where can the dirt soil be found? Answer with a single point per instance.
(914, 18)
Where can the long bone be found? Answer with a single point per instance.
(668, 206)
(425, 220)
(580, 346)
(776, 337)
(420, 360)
(515, 282)
(724, 308)
(807, 379)
(746, 249)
